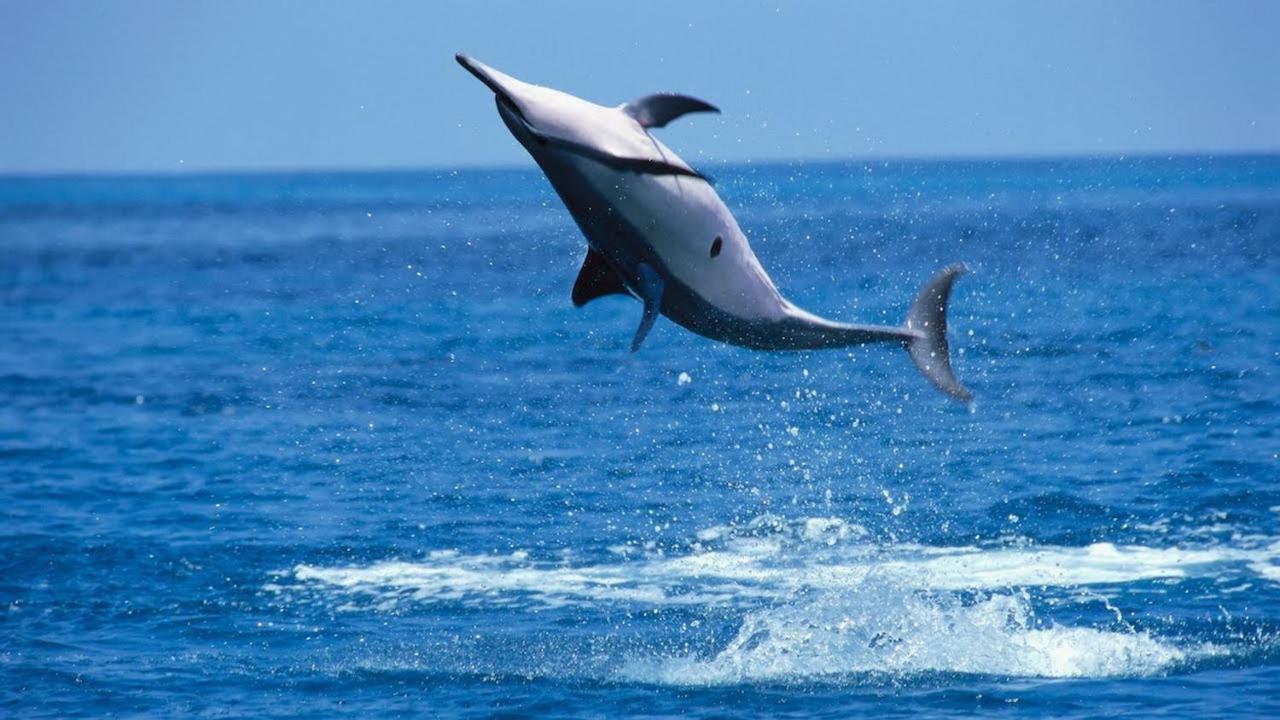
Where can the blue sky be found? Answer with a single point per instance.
(168, 86)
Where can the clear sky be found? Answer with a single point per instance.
(173, 86)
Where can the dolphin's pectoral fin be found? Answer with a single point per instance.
(650, 288)
(659, 109)
(596, 279)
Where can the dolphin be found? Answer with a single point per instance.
(657, 230)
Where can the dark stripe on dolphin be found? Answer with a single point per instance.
(636, 165)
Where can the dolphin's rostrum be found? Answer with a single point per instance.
(657, 230)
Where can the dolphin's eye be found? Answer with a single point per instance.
(716, 245)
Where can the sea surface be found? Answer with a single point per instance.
(339, 444)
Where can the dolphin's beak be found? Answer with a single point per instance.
(507, 91)
(498, 82)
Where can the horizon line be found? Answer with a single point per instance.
(179, 173)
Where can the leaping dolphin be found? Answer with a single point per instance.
(656, 229)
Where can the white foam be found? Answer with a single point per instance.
(479, 580)
(818, 599)
(814, 554)
(1100, 563)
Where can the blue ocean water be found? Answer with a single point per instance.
(338, 444)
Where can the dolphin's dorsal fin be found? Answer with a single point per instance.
(661, 108)
(596, 279)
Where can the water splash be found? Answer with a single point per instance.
(879, 629)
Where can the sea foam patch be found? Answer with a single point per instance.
(816, 599)
(732, 567)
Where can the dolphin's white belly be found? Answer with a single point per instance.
(681, 218)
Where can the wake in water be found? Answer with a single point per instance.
(815, 599)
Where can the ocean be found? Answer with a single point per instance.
(339, 444)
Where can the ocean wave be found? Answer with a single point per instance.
(816, 599)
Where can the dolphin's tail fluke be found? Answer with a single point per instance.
(928, 320)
